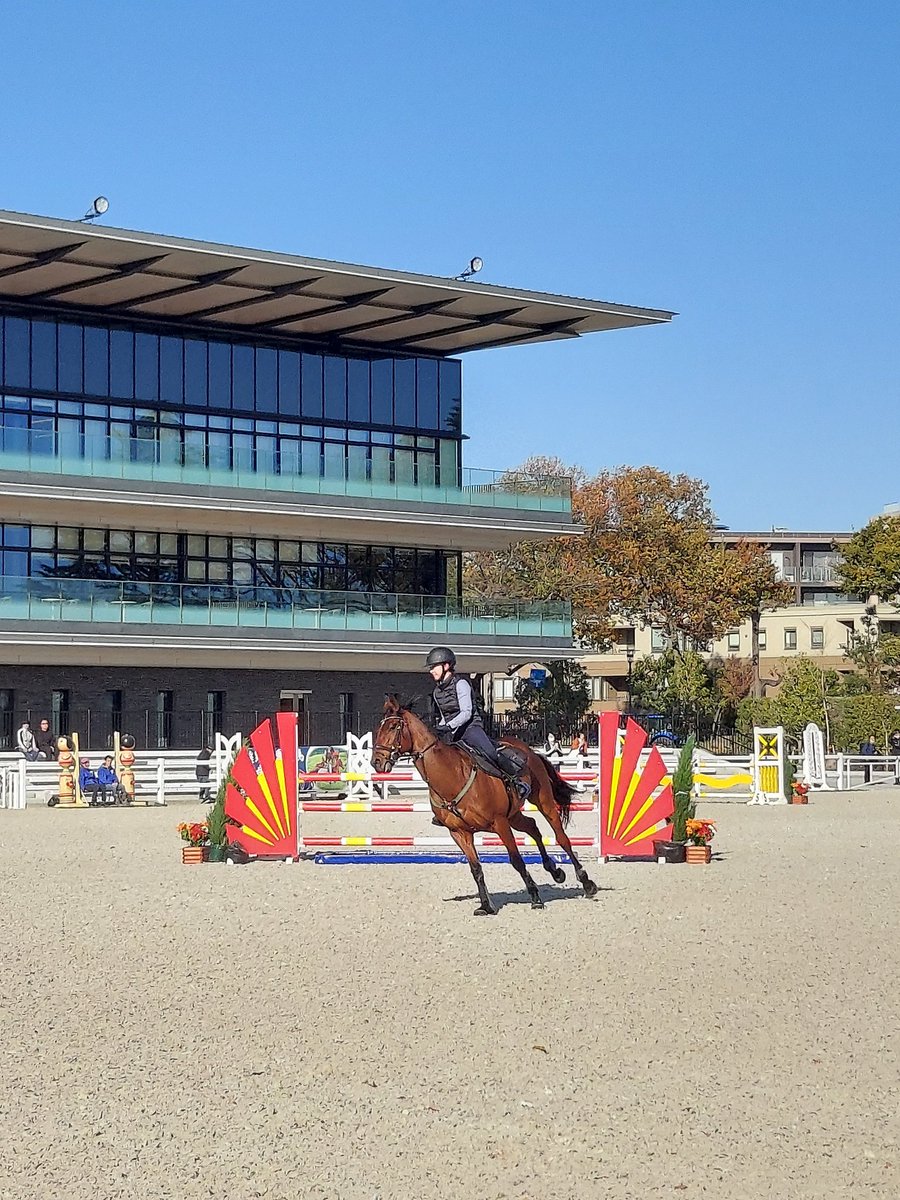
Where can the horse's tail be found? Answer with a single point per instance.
(562, 791)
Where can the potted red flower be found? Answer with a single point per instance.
(196, 835)
(799, 792)
(699, 836)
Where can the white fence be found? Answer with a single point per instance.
(161, 776)
(158, 777)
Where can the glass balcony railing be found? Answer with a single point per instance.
(155, 462)
(224, 605)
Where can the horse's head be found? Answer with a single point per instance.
(393, 737)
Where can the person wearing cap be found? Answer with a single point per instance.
(458, 717)
(88, 781)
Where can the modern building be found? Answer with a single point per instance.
(232, 481)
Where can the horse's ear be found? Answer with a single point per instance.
(391, 704)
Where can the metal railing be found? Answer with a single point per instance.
(157, 461)
(129, 602)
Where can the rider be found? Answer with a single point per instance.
(460, 720)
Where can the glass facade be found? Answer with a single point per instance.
(251, 565)
(86, 390)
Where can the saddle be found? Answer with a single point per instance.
(515, 758)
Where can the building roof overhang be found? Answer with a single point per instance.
(122, 273)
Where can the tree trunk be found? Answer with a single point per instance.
(756, 682)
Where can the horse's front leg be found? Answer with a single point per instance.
(466, 842)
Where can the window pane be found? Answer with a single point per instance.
(219, 375)
(266, 381)
(449, 463)
(381, 464)
(288, 383)
(43, 355)
(16, 357)
(358, 390)
(335, 388)
(382, 391)
(121, 364)
(311, 397)
(171, 370)
(334, 461)
(427, 393)
(195, 373)
(242, 377)
(96, 361)
(405, 391)
(403, 466)
(146, 366)
(451, 395)
(357, 462)
(71, 358)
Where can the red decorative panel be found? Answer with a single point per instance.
(636, 803)
(263, 798)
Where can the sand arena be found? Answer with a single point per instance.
(297, 1031)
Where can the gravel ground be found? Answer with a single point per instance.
(301, 1031)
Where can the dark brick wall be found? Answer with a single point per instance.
(248, 696)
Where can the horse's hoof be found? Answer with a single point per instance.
(559, 876)
(537, 904)
(590, 888)
(485, 912)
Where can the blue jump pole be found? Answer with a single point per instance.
(375, 858)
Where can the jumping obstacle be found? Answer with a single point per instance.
(264, 809)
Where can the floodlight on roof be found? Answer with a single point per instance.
(97, 209)
(475, 265)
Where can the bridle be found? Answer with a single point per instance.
(395, 749)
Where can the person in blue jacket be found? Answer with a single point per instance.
(108, 779)
(88, 782)
(458, 717)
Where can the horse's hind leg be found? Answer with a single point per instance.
(546, 802)
(466, 843)
(528, 825)
(505, 833)
(590, 888)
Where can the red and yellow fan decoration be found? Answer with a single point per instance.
(636, 803)
(264, 802)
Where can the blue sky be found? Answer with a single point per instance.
(738, 163)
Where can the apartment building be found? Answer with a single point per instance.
(818, 624)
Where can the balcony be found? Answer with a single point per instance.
(149, 461)
(819, 575)
(221, 607)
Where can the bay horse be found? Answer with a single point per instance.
(466, 801)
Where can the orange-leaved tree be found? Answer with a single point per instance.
(645, 557)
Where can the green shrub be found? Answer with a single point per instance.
(683, 791)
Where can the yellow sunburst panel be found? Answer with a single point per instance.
(259, 800)
(635, 800)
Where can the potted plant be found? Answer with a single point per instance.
(217, 826)
(196, 835)
(682, 793)
(699, 836)
(799, 792)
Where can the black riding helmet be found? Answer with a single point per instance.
(439, 655)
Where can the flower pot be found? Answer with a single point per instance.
(192, 854)
(216, 854)
(796, 798)
(698, 854)
(670, 852)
